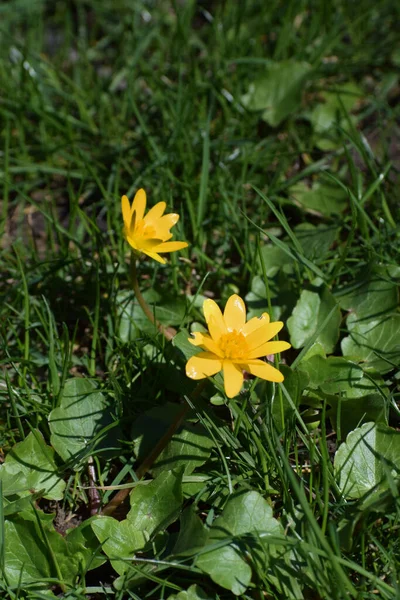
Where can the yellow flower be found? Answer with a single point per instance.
(149, 233)
(234, 346)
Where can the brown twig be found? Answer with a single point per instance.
(93, 492)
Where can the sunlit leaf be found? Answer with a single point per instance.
(369, 459)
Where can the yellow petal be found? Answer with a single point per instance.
(148, 244)
(235, 313)
(233, 378)
(255, 323)
(269, 348)
(263, 334)
(139, 204)
(261, 369)
(214, 319)
(132, 242)
(154, 256)
(204, 341)
(168, 220)
(155, 212)
(126, 211)
(203, 365)
(170, 246)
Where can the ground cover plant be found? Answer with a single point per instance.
(272, 130)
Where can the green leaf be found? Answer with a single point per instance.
(192, 533)
(309, 314)
(330, 113)
(194, 592)
(316, 241)
(167, 309)
(322, 198)
(375, 343)
(120, 541)
(372, 295)
(189, 448)
(154, 506)
(257, 303)
(353, 396)
(83, 540)
(373, 324)
(181, 341)
(77, 423)
(274, 259)
(278, 92)
(29, 467)
(229, 563)
(370, 458)
(32, 553)
(157, 504)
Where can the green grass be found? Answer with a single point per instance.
(292, 201)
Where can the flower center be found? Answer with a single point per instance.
(145, 231)
(233, 345)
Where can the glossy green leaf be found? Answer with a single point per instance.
(168, 310)
(192, 533)
(373, 323)
(120, 540)
(194, 592)
(353, 396)
(309, 315)
(369, 459)
(33, 553)
(277, 93)
(157, 504)
(76, 425)
(30, 467)
(181, 341)
(189, 447)
(82, 539)
(228, 562)
(372, 295)
(375, 343)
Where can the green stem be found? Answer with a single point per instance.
(168, 332)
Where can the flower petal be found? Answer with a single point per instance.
(261, 369)
(204, 341)
(235, 313)
(139, 204)
(203, 365)
(126, 211)
(269, 348)
(263, 334)
(155, 213)
(255, 323)
(214, 319)
(233, 378)
(170, 246)
(154, 256)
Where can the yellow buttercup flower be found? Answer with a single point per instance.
(234, 346)
(149, 233)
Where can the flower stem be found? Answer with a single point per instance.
(168, 332)
(148, 462)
